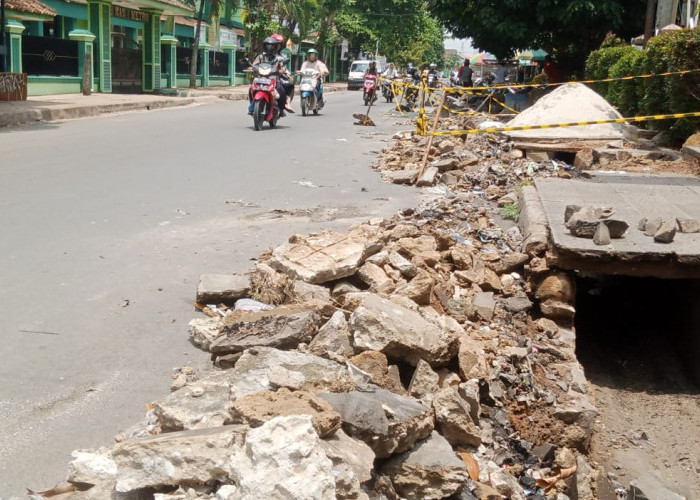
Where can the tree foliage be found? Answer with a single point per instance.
(403, 29)
(569, 29)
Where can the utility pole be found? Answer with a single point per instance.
(3, 47)
(649, 25)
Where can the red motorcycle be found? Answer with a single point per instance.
(264, 95)
(370, 88)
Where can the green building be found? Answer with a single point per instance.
(131, 45)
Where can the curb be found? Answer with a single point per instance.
(50, 114)
(533, 222)
(71, 112)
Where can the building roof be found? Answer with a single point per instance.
(30, 7)
(169, 7)
(186, 21)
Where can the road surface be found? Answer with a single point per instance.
(107, 224)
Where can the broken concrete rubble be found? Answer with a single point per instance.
(389, 423)
(222, 288)
(257, 408)
(321, 257)
(289, 446)
(381, 325)
(430, 471)
(158, 460)
(426, 340)
(282, 328)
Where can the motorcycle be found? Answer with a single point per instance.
(388, 90)
(264, 96)
(370, 88)
(310, 92)
(432, 80)
(412, 85)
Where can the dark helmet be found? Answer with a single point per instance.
(269, 46)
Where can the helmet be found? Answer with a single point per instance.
(433, 65)
(312, 51)
(269, 45)
(278, 37)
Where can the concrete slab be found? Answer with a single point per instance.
(632, 197)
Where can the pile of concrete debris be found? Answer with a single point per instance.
(426, 356)
(398, 360)
(564, 152)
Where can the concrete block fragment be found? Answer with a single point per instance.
(689, 225)
(222, 288)
(602, 234)
(652, 226)
(666, 232)
(428, 178)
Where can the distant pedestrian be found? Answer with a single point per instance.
(501, 72)
(552, 70)
(465, 74)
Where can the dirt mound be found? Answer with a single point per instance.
(569, 103)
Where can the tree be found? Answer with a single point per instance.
(403, 29)
(569, 29)
(453, 61)
(215, 8)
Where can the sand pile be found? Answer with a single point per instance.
(569, 103)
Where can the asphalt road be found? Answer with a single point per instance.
(107, 224)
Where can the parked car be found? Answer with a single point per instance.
(356, 74)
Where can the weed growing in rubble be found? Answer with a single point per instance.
(510, 211)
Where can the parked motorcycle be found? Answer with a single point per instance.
(310, 88)
(370, 88)
(264, 96)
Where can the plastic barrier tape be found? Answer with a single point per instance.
(569, 124)
(532, 85)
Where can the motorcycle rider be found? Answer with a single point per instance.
(390, 71)
(287, 79)
(433, 71)
(372, 70)
(269, 55)
(314, 63)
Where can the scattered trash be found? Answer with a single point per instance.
(251, 305)
(306, 184)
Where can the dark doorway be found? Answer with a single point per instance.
(127, 65)
(640, 334)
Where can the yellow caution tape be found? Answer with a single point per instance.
(569, 124)
(532, 85)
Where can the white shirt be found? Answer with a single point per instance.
(317, 65)
(390, 73)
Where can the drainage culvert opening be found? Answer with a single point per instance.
(639, 334)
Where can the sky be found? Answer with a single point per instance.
(463, 45)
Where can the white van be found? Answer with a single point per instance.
(356, 74)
